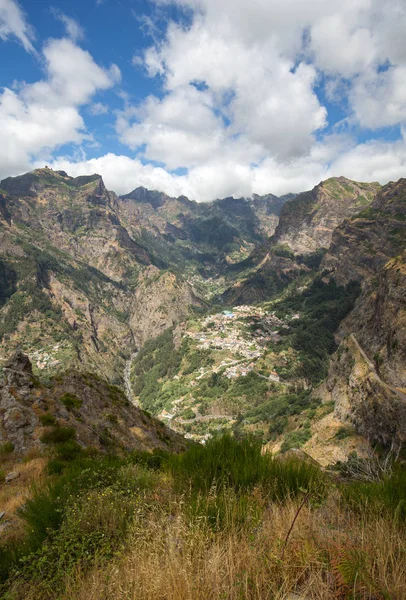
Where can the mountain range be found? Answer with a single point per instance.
(122, 287)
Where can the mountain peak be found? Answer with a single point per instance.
(30, 184)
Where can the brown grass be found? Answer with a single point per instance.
(14, 494)
(331, 554)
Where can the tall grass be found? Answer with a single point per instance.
(385, 497)
(226, 463)
(212, 524)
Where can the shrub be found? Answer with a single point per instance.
(68, 450)
(387, 496)
(47, 419)
(6, 448)
(58, 435)
(71, 401)
(227, 463)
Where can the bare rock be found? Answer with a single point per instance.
(11, 476)
(19, 362)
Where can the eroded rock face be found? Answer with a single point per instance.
(307, 222)
(306, 226)
(376, 410)
(160, 301)
(16, 398)
(370, 248)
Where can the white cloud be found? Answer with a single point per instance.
(44, 115)
(239, 104)
(98, 108)
(336, 155)
(14, 23)
(72, 27)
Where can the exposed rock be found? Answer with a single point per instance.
(307, 222)
(100, 414)
(11, 476)
(2, 515)
(362, 400)
(306, 225)
(160, 301)
(20, 363)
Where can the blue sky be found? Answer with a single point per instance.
(201, 97)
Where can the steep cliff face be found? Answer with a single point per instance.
(307, 222)
(69, 274)
(211, 235)
(376, 410)
(264, 281)
(100, 415)
(160, 301)
(367, 375)
(362, 245)
(370, 248)
(305, 230)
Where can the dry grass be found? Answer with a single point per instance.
(14, 494)
(332, 553)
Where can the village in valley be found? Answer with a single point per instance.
(238, 342)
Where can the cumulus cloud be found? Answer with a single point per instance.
(244, 94)
(13, 23)
(335, 156)
(241, 108)
(44, 115)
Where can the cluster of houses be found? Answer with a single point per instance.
(45, 359)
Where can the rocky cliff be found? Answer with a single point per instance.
(307, 222)
(367, 375)
(304, 231)
(208, 235)
(362, 399)
(71, 276)
(80, 407)
(370, 248)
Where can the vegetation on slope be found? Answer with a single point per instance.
(194, 382)
(221, 521)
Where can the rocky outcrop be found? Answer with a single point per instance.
(305, 229)
(370, 248)
(362, 399)
(307, 222)
(99, 413)
(16, 396)
(160, 301)
(69, 275)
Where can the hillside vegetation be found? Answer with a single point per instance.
(220, 521)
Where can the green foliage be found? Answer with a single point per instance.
(343, 433)
(312, 260)
(284, 251)
(296, 439)
(6, 448)
(385, 497)
(158, 358)
(8, 280)
(71, 401)
(80, 514)
(322, 307)
(58, 435)
(68, 450)
(47, 419)
(225, 462)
